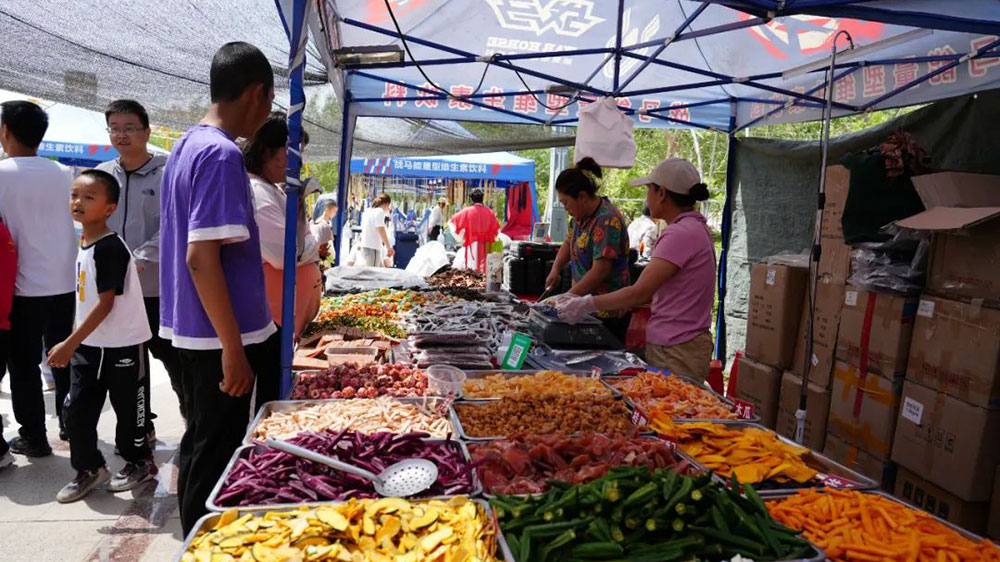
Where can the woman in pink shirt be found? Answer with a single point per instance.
(679, 280)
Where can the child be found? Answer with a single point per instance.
(105, 351)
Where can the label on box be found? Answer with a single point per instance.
(743, 409)
(912, 410)
(851, 298)
(770, 277)
(815, 360)
(926, 309)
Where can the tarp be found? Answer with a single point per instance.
(680, 62)
(500, 166)
(776, 180)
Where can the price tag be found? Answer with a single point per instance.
(770, 277)
(743, 409)
(729, 486)
(595, 372)
(913, 410)
(639, 419)
(851, 298)
(926, 309)
(517, 352)
(831, 481)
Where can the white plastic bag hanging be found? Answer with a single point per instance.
(605, 134)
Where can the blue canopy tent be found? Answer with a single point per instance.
(503, 167)
(721, 65)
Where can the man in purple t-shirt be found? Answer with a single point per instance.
(212, 302)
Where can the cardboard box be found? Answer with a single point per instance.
(874, 426)
(817, 410)
(956, 349)
(913, 489)
(826, 322)
(993, 522)
(838, 182)
(962, 211)
(889, 334)
(759, 384)
(776, 293)
(882, 471)
(947, 441)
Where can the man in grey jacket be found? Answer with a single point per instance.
(137, 220)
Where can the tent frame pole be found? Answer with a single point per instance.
(348, 120)
(726, 234)
(664, 43)
(297, 33)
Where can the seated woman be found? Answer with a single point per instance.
(266, 160)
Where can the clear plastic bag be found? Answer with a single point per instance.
(898, 265)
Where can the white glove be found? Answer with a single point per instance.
(572, 309)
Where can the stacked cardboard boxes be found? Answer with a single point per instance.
(949, 419)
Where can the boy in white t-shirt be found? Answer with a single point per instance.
(105, 351)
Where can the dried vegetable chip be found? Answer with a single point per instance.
(753, 455)
(383, 530)
(542, 383)
(673, 397)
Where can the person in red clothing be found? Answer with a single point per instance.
(478, 227)
(8, 274)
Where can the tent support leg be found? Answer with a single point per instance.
(726, 234)
(296, 29)
(344, 172)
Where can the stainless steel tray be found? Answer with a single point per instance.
(245, 450)
(456, 422)
(828, 468)
(209, 520)
(819, 556)
(610, 379)
(965, 533)
(291, 405)
(474, 375)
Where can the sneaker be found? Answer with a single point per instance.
(6, 460)
(85, 481)
(30, 448)
(132, 475)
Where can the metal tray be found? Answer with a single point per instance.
(609, 379)
(291, 405)
(678, 455)
(244, 451)
(819, 556)
(211, 518)
(827, 467)
(965, 533)
(298, 375)
(615, 393)
(456, 422)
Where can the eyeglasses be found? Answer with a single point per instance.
(126, 131)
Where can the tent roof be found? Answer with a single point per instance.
(87, 53)
(669, 62)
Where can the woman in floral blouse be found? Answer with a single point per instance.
(597, 246)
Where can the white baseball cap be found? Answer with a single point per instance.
(676, 175)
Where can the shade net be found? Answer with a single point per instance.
(88, 52)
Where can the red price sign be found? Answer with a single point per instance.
(639, 419)
(595, 372)
(743, 409)
(831, 481)
(740, 491)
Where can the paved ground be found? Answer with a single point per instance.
(141, 525)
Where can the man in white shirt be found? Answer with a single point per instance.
(642, 234)
(374, 235)
(34, 203)
(436, 220)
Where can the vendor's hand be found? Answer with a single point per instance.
(324, 251)
(391, 252)
(237, 377)
(553, 279)
(572, 309)
(60, 355)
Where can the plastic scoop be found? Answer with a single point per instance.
(403, 479)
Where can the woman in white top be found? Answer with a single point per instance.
(374, 234)
(266, 159)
